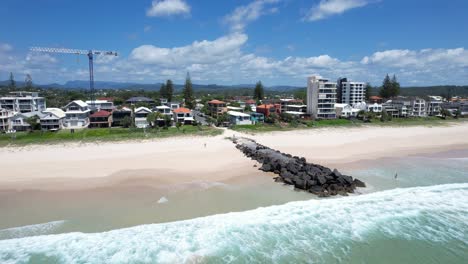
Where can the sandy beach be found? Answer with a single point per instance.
(129, 183)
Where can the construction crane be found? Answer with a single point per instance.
(89, 53)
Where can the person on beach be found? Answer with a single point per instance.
(396, 175)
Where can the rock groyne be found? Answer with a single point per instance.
(293, 170)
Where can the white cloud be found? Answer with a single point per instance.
(242, 15)
(147, 28)
(199, 52)
(161, 8)
(327, 8)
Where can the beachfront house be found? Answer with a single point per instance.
(119, 114)
(140, 100)
(268, 109)
(183, 115)
(19, 121)
(235, 108)
(173, 105)
(375, 108)
(5, 119)
(239, 118)
(257, 117)
(434, 105)
(163, 109)
(76, 115)
(101, 118)
(141, 113)
(216, 107)
(345, 111)
(52, 120)
(23, 102)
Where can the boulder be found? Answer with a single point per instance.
(359, 183)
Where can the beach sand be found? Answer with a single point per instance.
(102, 186)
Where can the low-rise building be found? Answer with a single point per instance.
(52, 119)
(19, 121)
(163, 109)
(216, 107)
(120, 114)
(268, 109)
(140, 99)
(183, 115)
(101, 119)
(239, 118)
(434, 105)
(235, 108)
(76, 115)
(257, 117)
(346, 111)
(98, 105)
(285, 102)
(173, 105)
(375, 107)
(141, 113)
(375, 99)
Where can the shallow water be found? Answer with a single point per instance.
(420, 217)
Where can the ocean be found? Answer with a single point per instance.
(420, 217)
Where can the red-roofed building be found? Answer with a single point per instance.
(217, 107)
(376, 99)
(267, 109)
(101, 118)
(183, 115)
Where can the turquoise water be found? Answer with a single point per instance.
(408, 224)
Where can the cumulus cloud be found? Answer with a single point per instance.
(199, 52)
(327, 8)
(161, 8)
(243, 15)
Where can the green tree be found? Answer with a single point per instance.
(163, 91)
(188, 92)
(259, 93)
(127, 122)
(248, 108)
(167, 121)
(178, 125)
(386, 89)
(151, 118)
(367, 91)
(11, 81)
(33, 123)
(169, 90)
(395, 86)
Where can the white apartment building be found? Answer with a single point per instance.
(98, 105)
(418, 107)
(5, 119)
(352, 92)
(23, 102)
(434, 105)
(76, 115)
(141, 113)
(321, 97)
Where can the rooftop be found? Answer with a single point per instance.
(216, 102)
(182, 110)
(235, 113)
(140, 99)
(101, 113)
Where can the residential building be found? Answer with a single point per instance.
(163, 101)
(346, 111)
(375, 99)
(19, 121)
(101, 118)
(235, 108)
(250, 103)
(434, 105)
(351, 92)
(321, 97)
(52, 119)
(118, 115)
(173, 105)
(216, 107)
(418, 107)
(375, 107)
(268, 109)
(239, 118)
(257, 117)
(299, 111)
(140, 99)
(183, 115)
(163, 109)
(98, 105)
(23, 102)
(396, 108)
(141, 113)
(289, 101)
(5, 118)
(453, 107)
(76, 115)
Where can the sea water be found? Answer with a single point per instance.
(420, 217)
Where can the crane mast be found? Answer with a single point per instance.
(89, 53)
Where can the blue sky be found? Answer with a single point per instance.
(280, 42)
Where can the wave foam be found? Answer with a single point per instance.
(30, 230)
(303, 231)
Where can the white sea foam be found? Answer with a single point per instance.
(30, 230)
(303, 231)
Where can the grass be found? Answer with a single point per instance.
(396, 122)
(102, 135)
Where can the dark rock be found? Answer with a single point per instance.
(359, 183)
(321, 179)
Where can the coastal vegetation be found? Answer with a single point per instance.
(103, 135)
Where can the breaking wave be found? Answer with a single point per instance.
(31, 230)
(306, 231)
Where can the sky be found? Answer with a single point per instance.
(279, 42)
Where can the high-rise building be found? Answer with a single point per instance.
(321, 97)
(350, 92)
(23, 102)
